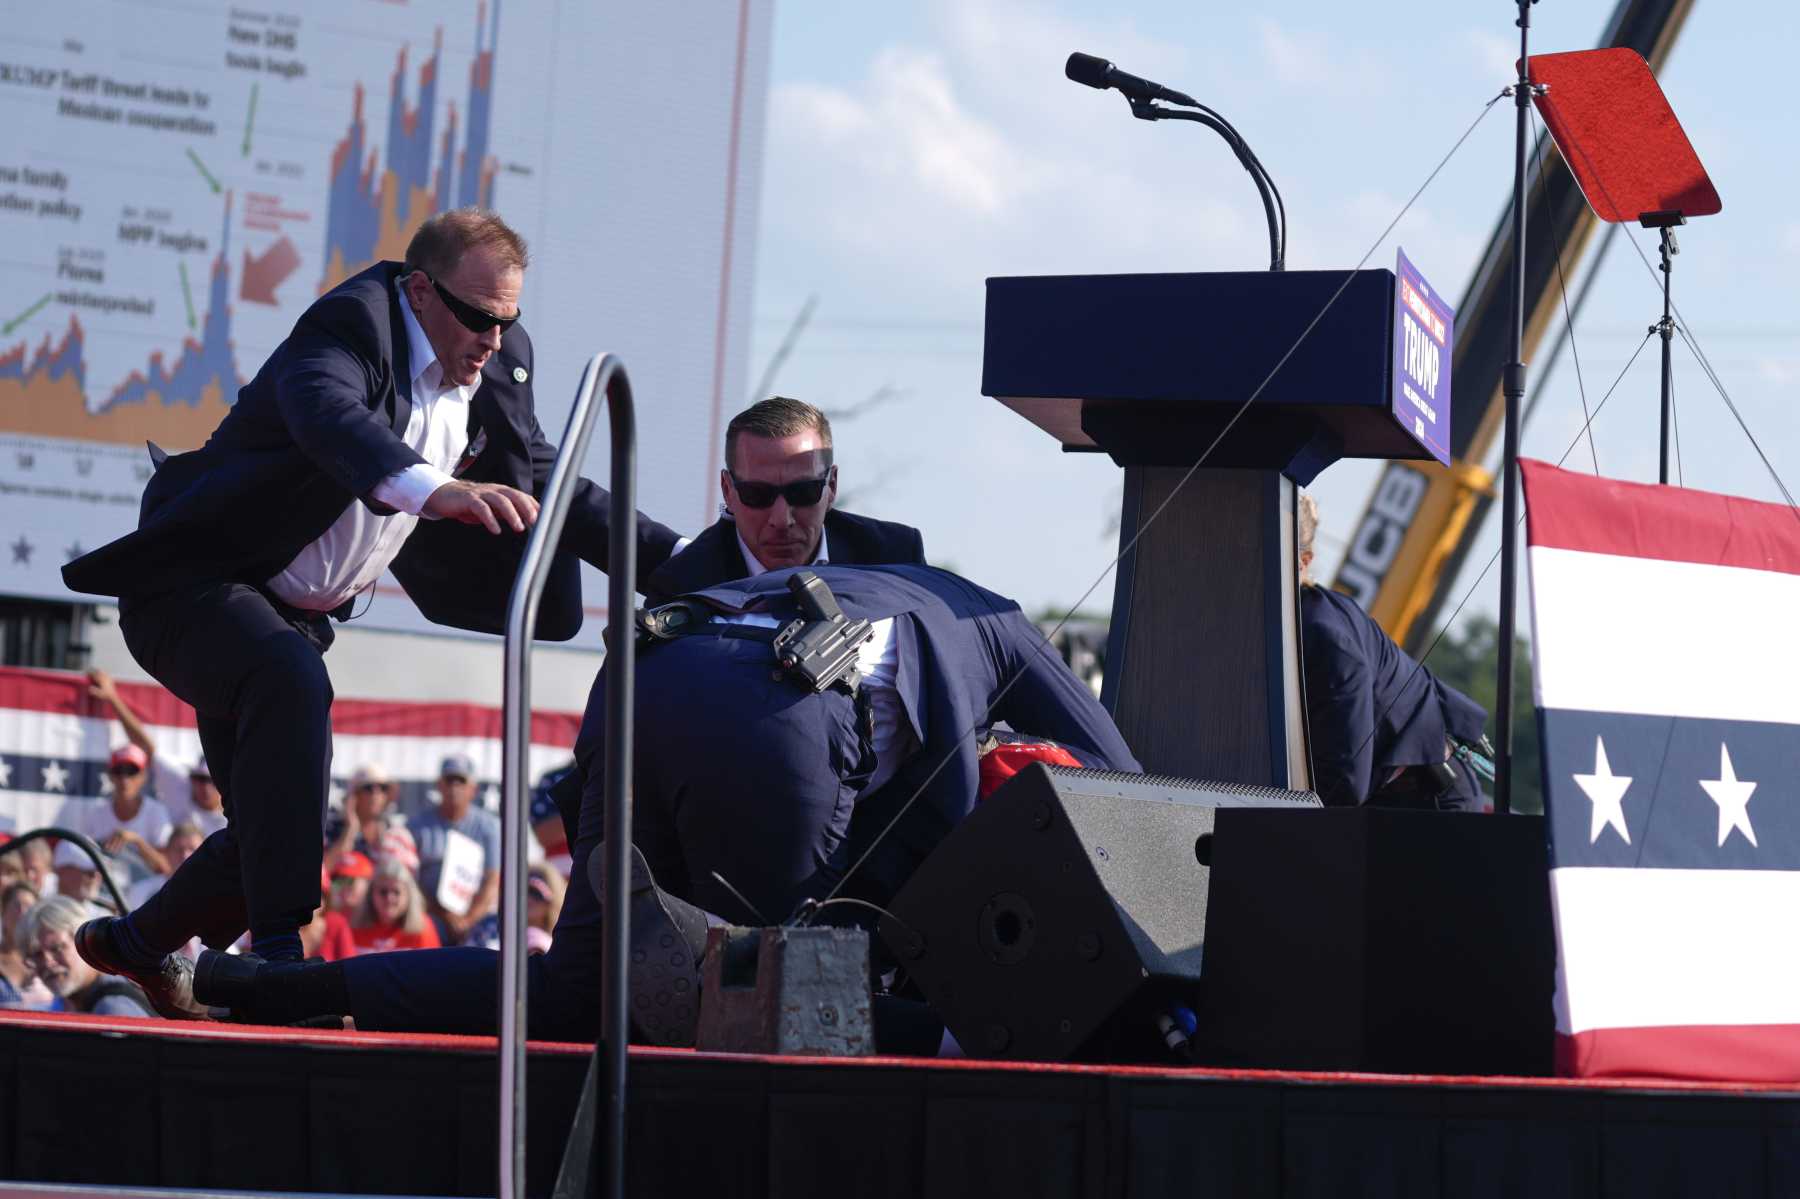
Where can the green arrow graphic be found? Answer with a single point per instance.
(186, 294)
(201, 167)
(249, 121)
(16, 321)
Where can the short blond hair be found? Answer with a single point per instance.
(445, 238)
(1306, 527)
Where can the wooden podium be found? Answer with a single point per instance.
(1203, 659)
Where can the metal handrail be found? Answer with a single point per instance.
(604, 374)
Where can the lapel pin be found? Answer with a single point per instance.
(520, 374)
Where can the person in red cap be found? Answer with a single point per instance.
(130, 822)
(350, 876)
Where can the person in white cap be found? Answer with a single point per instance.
(367, 819)
(459, 852)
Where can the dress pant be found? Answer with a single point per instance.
(254, 672)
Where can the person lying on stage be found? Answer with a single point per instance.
(394, 427)
(1385, 730)
(752, 793)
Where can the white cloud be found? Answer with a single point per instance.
(1495, 56)
(1303, 59)
(906, 128)
(1782, 372)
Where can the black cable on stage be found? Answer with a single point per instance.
(1044, 643)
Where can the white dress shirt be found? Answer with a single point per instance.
(877, 660)
(358, 548)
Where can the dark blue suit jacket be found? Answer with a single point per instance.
(967, 657)
(317, 428)
(715, 556)
(1370, 708)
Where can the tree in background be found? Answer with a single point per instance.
(1468, 660)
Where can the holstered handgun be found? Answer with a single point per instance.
(819, 649)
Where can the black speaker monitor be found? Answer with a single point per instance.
(1061, 898)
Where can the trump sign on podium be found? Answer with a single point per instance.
(1424, 335)
(1668, 696)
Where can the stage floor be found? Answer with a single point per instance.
(155, 1103)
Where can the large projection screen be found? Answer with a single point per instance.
(178, 180)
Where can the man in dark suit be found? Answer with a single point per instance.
(1384, 729)
(779, 483)
(403, 393)
(748, 777)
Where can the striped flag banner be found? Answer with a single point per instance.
(55, 740)
(1668, 695)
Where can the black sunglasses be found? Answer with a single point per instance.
(475, 320)
(802, 493)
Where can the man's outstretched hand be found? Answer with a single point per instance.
(494, 506)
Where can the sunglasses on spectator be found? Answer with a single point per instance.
(475, 320)
(802, 493)
(372, 786)
(122, 772)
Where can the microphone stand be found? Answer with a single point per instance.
(1144, 110)
(1513, 389)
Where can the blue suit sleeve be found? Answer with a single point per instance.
(1043, 697)
(1340, 706)
(322, 393)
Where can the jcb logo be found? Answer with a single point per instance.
(1378, 538)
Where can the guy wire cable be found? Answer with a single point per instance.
(1687, 335)
(1562, 286)
(1044, 642)
(1469, 592)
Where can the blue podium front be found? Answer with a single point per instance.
(1268, 376)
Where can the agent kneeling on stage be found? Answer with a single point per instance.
(756, 785)
(1385, 730)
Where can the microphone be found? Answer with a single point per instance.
(1098, 73)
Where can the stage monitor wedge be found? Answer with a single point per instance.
(1063, 897)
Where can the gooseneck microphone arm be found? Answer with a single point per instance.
(1273, 208)
(1141, 94)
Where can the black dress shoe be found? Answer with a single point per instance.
(668, 939)
(262, 992)
(169, 985)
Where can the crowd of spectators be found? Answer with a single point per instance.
(392, 878)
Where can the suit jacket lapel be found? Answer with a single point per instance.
(400, 407)
(710, 559)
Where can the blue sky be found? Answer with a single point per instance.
(914, 150)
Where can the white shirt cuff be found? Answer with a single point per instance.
(681, 543)
(409, 489)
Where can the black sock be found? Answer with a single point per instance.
(132, 946)
(277, 946)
